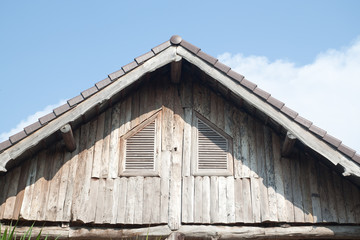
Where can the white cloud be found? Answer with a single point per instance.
(29, 120)
(326, 91)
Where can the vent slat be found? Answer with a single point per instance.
(140, 149)
(212, 148)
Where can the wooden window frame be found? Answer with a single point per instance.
(194, 149)
(157, 145)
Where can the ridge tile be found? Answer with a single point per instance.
(17, 137)
(192, 48)
(332, 140)
(32, 127)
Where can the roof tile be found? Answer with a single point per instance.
(206, 57)
(17, 137)
(261, 93)
(332, 140)
(238, 77)
(289, 112)
(115, 75)
(60, 110)
(144, 57)
(192, 48)
(5, 144)
(222, 67)
(75, 100)
(356, 158)
(103, 83)
(32, 128)
(346, 150)
(130, 66)
(161, 47)
(317, 130)
(248, 84)
(87, 93)
(303, 121)
(275, 102)
(47, 118)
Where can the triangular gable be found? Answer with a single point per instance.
(169, 52)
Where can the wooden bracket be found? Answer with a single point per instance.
(288, 145)
(176, 70)
(68, 137)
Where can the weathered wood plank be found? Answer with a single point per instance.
(21, 189)
(109, 201)
(356, 199)
(186, 92)
(206, 199)
(115, 200)
(12, 192)
(139, 199)
(100, 201)
(255, 199)
(331, 196)
(305, 187)
(270, 175)
(130, 201)
(239, 202)
(99, 142)
(288, 193)
(222, 200)
(252, 147)
(324, 194)
(187, 142)
(90, 214)
(235, 129)
(220, 112)
(296, 189)
(349, 202)
(188, 199)
(155, 210)
(314, 190)
(279, 182)
(148, 197)
(122, 200)
(53, 193)
(32, 185)
(164, 185)
(247, 203)
(339, 197)
(106, 145)
(135, 109)
(71, 180)
(244, 142)
(230, 199)
(114, 154)
(198, 201)
(214, 201)
(213, 108)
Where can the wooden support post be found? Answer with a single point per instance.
(288, 144)
(68, 137)
(176, 70)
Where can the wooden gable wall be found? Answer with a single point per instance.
(85, 186)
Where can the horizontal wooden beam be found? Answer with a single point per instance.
(288, 145)
(198, 231)
(68, 137)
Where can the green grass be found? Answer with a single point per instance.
(9, 234)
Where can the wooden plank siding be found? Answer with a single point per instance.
(85, 186)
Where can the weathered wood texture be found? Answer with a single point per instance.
(85, 186)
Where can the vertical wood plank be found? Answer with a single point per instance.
(331, 196)
(12, 192)
(148, 194)
(109, 201)
(339, 195)
(305, 186)
(122, 200)
(349, 203)
(186, 92)
(35, 173)
(114, 154)
(236, 145)
(130, 201)
(356, 201)
(314, 190)
(106, 145)
(279, 181)
(100, 201)
(213, 108)
(247, 203)
(214, 201)
(63, 185)
(187, 142)
(139, 199)
(287, 178)
(115, 200)
(220, 113)
(206, 199)
(98, 149)
(252, 147)
(21, 189)
(4, 186)
(155, 210)
(71, 179)
(54, 184)
(244, 142)
(270, 175)
(324, 195)
(198, 200)
(164, 185)
(297, 192)
(222, 200)
(239, 200)
(90, 214)
(188, 199)
(255, 199)
(135, 109)
(230, 201)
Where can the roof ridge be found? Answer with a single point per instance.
(177, 40)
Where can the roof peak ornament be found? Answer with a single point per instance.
(175, 39)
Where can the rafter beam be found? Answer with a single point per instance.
(288, 145)
(68, 137)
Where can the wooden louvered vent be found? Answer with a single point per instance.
(212, 148)
(140, 149)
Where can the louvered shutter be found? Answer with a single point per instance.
(140, 149)
(212, 148)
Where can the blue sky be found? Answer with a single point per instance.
(51, 51)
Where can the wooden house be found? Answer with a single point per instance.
(177, 145)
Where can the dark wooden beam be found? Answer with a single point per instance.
(288, 145)
(176, 71)
(68, 137)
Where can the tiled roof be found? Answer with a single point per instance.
(240, 79)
